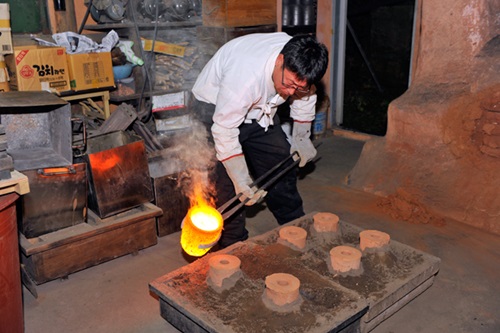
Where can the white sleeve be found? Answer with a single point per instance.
(303, 109)
(230, 112)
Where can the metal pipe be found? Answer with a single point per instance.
(85, 17)
(340, 63)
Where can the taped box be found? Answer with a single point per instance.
(38, 68)
(5, 32)
(90, 71)
(5, 41)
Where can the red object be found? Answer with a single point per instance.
(11, 302)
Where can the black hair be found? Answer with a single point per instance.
(305, 57)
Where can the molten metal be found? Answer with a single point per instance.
(201, 229)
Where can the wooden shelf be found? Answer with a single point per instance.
(141, 25)
(133, 31)
(17, 183)
(103, 94)
(114, 98)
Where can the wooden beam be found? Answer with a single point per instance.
(61, 20)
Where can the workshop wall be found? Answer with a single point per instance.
(441, 154)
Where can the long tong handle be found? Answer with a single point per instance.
(263, 187)
(222, 208)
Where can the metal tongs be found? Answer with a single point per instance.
(225, 206)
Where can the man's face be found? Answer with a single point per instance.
(286, 82)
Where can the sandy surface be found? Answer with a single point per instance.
(328, 299)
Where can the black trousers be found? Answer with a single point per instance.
(263, 150)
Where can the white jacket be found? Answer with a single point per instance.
(238, 80)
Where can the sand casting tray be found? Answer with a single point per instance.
(331, 302)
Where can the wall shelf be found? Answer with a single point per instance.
(143, 25)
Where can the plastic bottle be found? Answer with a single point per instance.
(126, 48)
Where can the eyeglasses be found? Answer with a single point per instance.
(303, 90)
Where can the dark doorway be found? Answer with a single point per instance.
(377, 61)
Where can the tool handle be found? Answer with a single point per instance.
(222, 208)
(263, 187)
(226, 205)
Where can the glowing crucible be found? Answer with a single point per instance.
(201, 229)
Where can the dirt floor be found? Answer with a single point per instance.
(440, 157)
(114, 297)
(403, 206)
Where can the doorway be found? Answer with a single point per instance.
(375, 63)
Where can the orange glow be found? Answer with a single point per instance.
(104, 161)
(201, 229)
(55, 170)
(204, 219)
(49, 172)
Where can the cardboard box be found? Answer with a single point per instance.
(90, 71)
(5, 33)
(4, 75)
(39, 68)
(5, 41)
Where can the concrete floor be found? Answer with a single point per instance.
(114, 297)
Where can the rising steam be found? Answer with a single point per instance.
(196, 154)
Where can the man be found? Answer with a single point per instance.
(246, 80)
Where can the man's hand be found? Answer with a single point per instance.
(301, 142)
(237, 170)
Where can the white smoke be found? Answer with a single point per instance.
(192, 150)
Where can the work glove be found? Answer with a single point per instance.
(301, 142)
(237, 170)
